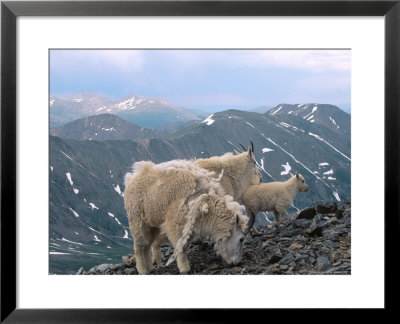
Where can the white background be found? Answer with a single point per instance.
(363, 288)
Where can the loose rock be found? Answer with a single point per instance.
(296, 246)
(316, 240)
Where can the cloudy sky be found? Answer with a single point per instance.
(207, 78)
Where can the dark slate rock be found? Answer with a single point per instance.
(335, 221)
(286, 259)
(330, 234)
(282, 239)
(301, 257)
(323, 263)
(286, 250)
(347, 218)
(251, 269)
(301, 262)
(340, 267)
(302, 223)
(326, 207)
(339, 213)
(330, 244)
(317, 226)
(102, 268)
(344, 204)
(292, 233)
(307, 213)
(275, 258)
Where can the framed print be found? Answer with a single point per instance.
(109, 84)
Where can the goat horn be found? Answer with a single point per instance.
(252, 146)
(243, 147)
(250, 223)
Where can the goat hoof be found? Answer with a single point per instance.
(185, 272)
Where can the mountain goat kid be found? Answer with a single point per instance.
(179, 200)
(272, 196)
(239, 171)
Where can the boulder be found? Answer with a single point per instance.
(326, 207)
(307, 213)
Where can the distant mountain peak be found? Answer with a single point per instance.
(103, 127)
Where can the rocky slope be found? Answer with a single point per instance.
(315, 240)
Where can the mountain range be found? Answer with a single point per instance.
(143, 111)
(88, 224)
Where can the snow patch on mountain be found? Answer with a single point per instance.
(118, 190)
(65, 240)
(75, 213)
(276, 110)
(67, 156)
(116, 219)
(126, 236)
(93, 206)
(71, 182)
(108, 129)
(311, 113)
(209, 121)
(284, 124)
(266, 149)
(287, 168)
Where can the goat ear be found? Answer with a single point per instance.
(236, 152)
(250, 153)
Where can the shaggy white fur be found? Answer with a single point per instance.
(236, 173)
(177, 200)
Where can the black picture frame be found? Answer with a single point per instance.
(10, 10)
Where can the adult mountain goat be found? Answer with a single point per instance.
(239, 172)
(180, 200)
(272, 196)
